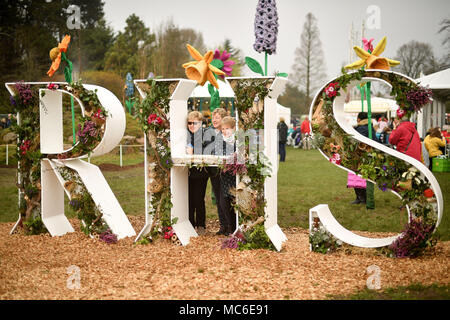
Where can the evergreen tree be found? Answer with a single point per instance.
(295, 99)
(30, 28)
(130, 49)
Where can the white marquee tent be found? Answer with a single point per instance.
(378, 105)
(433, 115)
(284, 112)
(225, 91)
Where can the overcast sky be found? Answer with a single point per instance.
(400, 20)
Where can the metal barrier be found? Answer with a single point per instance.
(121, 152)
(89, 159)
(7, 151)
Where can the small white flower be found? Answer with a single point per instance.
(246, 179)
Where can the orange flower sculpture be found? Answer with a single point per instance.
(372, 60)
(201, 69)
(56, 53)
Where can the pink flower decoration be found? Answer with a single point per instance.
(367, 44)
(151, 118)
(227, 64)
(400, 113)
(332, 89)
(169, 233)
(25, 147)
(336, 158)
(98, 114)
(52, 86)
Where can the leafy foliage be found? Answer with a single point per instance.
(26, 103)
(153, 118)
(256, 238)
(83, 204)
(254, 65)
(388, 172)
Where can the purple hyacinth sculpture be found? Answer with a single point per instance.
(266, 27)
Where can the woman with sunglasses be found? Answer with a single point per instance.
(198, 178)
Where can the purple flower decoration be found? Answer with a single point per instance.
(75, 204)
(24, 91)
(414, 239)
(266, 27)
(233, 241)
(108, 237)
(419, 97)
(89, 130)
(227, 63)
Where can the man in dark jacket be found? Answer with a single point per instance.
(282, 138)
(363, 126)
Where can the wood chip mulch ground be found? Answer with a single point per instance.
(36, 267)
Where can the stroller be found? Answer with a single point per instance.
(297, 137)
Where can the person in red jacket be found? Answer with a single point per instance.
(306, 131)
(406, 138)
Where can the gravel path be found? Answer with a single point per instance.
(36, 267)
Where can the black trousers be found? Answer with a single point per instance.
(214, 175)
(430, 166)
(282, 151)
(230, 214)
(227, 182)
(197, 209)
(361, 194)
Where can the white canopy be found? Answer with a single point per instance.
(438, 80)
(283, 112)
(378, 105)
(225, 90)
(434, 115)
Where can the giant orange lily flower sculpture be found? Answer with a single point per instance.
(201, 69)
(57, 53)
(372, 59)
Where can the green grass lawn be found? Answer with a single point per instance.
(415, 291)
(305, 180)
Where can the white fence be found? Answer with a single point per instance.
(10, 147)
(7, 146)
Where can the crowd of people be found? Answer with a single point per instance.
(398, 133)
(300, 136)
(217, 139)
(5, 121)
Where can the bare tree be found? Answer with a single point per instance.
(171, 52)
(445, 29)
(416, 57)
(445, 26)
(309, 67)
